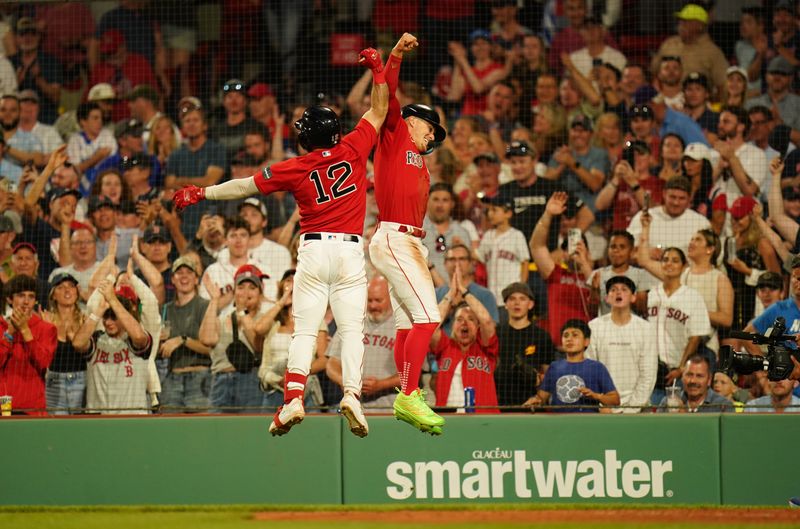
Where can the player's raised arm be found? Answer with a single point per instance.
(379, 99)
(406, 43)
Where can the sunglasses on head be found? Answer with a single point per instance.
(675, 58)
(441, 244)
(233, 87)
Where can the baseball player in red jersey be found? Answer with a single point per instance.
(401, 191)
(329, 185)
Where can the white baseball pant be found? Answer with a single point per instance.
(403, 260)
(329, 270)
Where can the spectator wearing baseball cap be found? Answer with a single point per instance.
(526, 350)
(595, 51)
(272, 256)
(484, 68)
(234, 359)
(119, 66)
(103, 94)
(128, 133)
(788, 308)
(694, 46)
(737, 86)
(780, 74)
(580, 167)
(187, 382)
(153, 261)
(753, 254)
(261, 102)
(143, 102)
(230, 129)
(626, 345)
(29, 122)
(136, 170)
(25, 262)
(696, 92)
(46, 80)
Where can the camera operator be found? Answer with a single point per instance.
(789, 309)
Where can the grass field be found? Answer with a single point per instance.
(305, 517)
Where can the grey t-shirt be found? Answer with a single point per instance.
(378, 357)
(185, 321)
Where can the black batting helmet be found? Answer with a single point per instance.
(426, 113)
(319, 128)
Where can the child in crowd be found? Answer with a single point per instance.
(576, 384)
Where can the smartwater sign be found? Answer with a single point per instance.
(537, 459)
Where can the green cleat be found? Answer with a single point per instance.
(415, 411)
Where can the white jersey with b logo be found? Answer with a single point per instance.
(677, 318)
(117, 375)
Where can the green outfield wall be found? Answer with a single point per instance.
(664, 459)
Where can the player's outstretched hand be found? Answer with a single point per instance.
(371, 58)
(187, 196)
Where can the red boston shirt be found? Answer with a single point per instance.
(329, 185)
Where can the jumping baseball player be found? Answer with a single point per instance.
(401, 191)
(329, 185)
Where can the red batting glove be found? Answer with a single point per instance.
(371, 59)
(187, 196)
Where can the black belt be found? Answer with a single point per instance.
(318, 237)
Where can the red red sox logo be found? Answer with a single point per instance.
(673, 314)
(472, 362)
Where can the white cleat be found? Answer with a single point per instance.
(287, 416)
(351, 410)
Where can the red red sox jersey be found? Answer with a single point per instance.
(477, 370)
(329, 185)
(401, 176)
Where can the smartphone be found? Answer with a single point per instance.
(574, 236)
(646, 207)
(730, 249)
(597, 62)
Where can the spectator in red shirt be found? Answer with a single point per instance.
(122, 69)
(467, 358)
(26, 347)
(472, 82)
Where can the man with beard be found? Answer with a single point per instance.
(779, 400)
(441, 231)
(229, 130)
(744, 166)
(669, 75)
(380, 373)
(199, 161)
(697, 395)
(35, 69)
(21, 147)
(82, 259)
(29, 122)
(780, 97)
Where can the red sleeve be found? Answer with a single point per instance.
(362, 139)
(493, 349)
(43, 346)
(275, 177)
(392, 80)
(444, 343)
(5, 347)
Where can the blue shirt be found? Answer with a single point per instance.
(115, 162)
(679, 123)
(787, 309)
(186, 163)
(52, 72)
(23, 141)
(596, 158)
(484, 295)
(764, 405)
(564, 379)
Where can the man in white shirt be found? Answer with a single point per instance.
(744, 166)
(268, 255)
(596, 52)
(29, 122)
(626, 345)
(673, 222)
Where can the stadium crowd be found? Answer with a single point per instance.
(612, 212)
